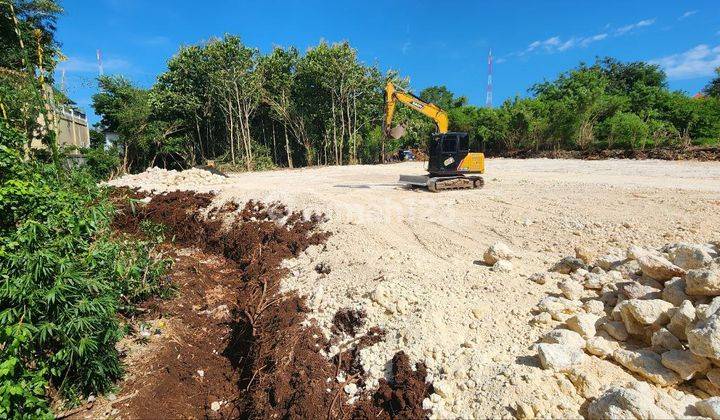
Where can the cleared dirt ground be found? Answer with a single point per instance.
(412, 259)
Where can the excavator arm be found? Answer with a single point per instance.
(394, 95)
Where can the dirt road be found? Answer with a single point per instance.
(412, 259)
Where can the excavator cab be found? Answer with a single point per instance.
(450, 155)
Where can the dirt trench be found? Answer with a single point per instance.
(239, 348)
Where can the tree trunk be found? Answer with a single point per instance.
(287, 148)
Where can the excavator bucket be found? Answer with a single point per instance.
(397, 132)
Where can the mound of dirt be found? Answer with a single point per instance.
(271, 360)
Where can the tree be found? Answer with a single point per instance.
(442, 97)
(712, 89)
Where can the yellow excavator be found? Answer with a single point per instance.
(451, 164)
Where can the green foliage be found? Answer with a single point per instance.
(712, 89)
(101, 163)
(609, 104)
(626, 130)
(22, 391)
(442, 97)
(63, 279)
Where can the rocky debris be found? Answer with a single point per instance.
(625, 403)
(645, 312)
(704, 337)
(497, 252)
(713, 376)
(663, 339)
(681, 318)
(571, 289)
(583, 324)
(636, 290)
(709, 407)
(559, 308)
(594, 307)
(647, 364)
(584, 254)
(601, 346)
(586, 384)
(564, 337)
(559, 357)
(685, 363)
(540, 278)
(161, 180)
(658, 267)
(502, 266)
(568, 265)
(652, 312)
(703, 282)
(524, 411)
(611, 260)
(616, 329)
(674, 291)
(690, 256)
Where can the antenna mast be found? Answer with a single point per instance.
(489, 97)
(99, 60)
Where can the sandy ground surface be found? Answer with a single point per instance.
(412, 259)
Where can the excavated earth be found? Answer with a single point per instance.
(398, 297)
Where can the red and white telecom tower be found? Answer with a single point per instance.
(488, 98)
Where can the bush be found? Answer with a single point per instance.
(63, 279)
(101, 163)
(626, 130)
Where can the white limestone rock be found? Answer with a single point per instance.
(559, 357)
(684, 363)
(647, 364)
(564, 337)
(703, 282)
(709, 407)
(583, 324)
(496, 252)
(625, 403)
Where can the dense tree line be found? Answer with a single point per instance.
(605, 105)
(225, 101)
(222, 100)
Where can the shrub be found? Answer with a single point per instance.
(626, 130)
(101, 163)
(64, 277)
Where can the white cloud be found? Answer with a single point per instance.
(500, 60)
(557, 44)
(687, 14)
(76, 64)
(627, 28)
(406, 47)
(699, 61)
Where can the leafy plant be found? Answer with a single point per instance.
(64, 277)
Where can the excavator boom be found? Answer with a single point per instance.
(394, 95)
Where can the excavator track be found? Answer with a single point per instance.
(444, 183)
(436, 184)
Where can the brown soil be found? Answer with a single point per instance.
(230, 321)
(348, 320)
(662, 153)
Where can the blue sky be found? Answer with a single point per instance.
(431, 42)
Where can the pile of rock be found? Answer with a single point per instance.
(157, 180)
(498, 256)
(654, 312)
